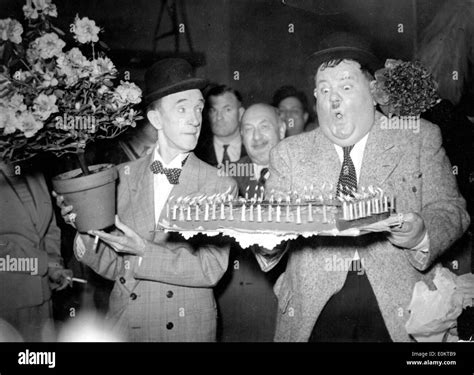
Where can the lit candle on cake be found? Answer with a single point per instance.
(196, 206)
(298, 211)
(175, 208)
(213, 209)
(242, 215)
(231, 212)
(288, 208)
(344, 210)
(368, 213)
(188, 216)
(181, 212)
(222, 210)
(392, 204)
(206, 212)
(278, 214)
(325, 219)
(385, 204)
(259, 212)
(351, 211)
(247, 192)
(310, 212)
(251, 212)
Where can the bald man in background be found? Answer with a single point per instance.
(247, 304)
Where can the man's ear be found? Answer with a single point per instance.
(281, 128)
(373, 88)
(241, 113)
(154, 117)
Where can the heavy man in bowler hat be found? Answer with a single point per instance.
(163, 284)
(368, 301)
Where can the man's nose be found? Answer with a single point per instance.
(335, 99)
(194, 120)
(257, 135)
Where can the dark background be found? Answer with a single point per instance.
(250, 37)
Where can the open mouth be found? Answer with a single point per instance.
(339, 115)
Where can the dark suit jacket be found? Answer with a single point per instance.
(27, 234)
(206, 152)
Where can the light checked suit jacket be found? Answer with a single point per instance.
(411, 166)
(169, 296)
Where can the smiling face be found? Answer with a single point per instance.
(178, 119)
(345, 107)
(261, 130)
(225, 112)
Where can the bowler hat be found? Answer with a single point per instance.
(343, 45)
(169, 76)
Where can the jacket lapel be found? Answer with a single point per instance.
(142, 197)
(381, 156)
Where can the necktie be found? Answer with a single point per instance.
(347, 182)
(225, 157)
(172, 174)
(262, 179)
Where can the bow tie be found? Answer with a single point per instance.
(172, 174)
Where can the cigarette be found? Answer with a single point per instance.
(96, 242)
(76, 279)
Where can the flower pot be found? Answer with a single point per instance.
(92, 196)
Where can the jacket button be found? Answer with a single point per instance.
(413, 189)
(169, 294)
(169, 325)
(133, 296)
(122, 280)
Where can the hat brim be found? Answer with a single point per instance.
(364, 58)
(188, 84)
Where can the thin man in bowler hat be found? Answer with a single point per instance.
(163, 284)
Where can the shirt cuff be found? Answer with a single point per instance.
(80, 247)
(424, 245)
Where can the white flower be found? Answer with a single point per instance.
(8, 121)
(21, 75)
(85, 30)
(16, 103)
(102, 66)
(49, 45)
(128, 92)
(48, 80)
(29, 124)
(73, 65)
(44, 105)
(11, 30)
(102, 90)
(34, 7)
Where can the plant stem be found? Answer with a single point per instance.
(82, 162)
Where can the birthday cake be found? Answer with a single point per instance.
(267, 222)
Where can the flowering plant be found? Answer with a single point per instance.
(405, 88)
(58, 100)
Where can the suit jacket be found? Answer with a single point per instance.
(411, 166)
(168, 296)
(27, 233)
(206, 152)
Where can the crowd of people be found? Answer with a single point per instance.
(163, 288)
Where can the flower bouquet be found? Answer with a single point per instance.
(405, 88)
(54, 99)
